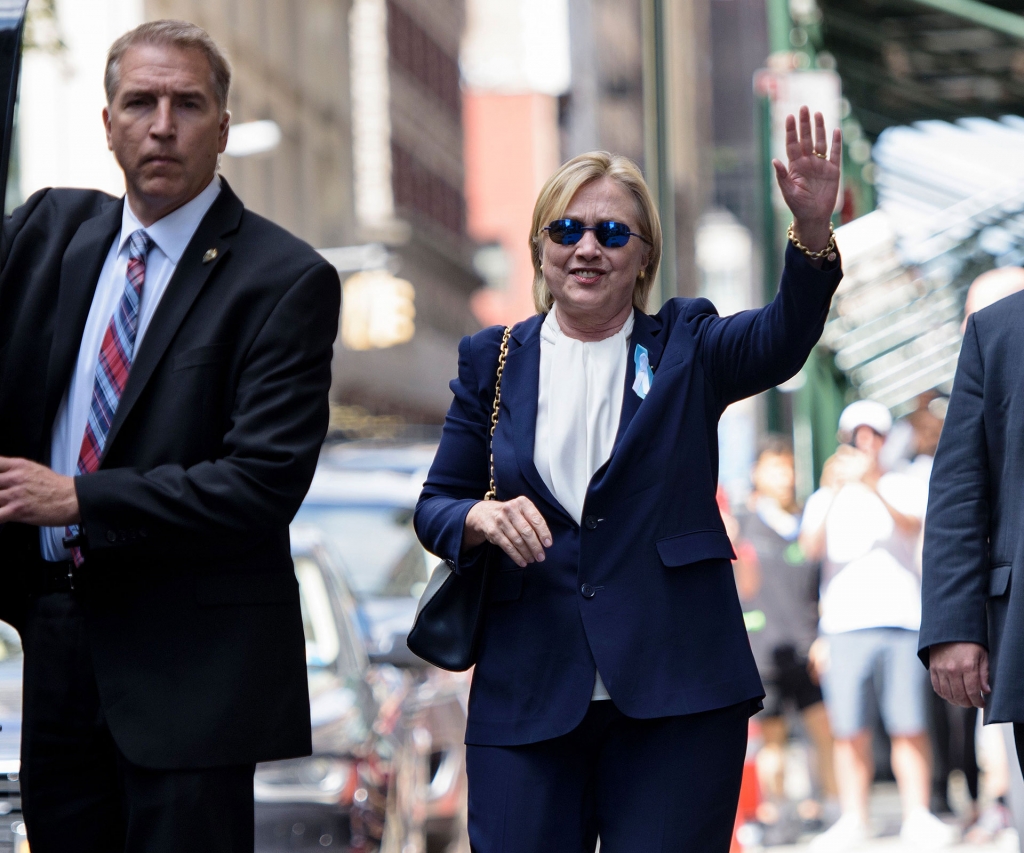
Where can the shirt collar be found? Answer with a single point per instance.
(172, 233)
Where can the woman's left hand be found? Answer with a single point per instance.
(811, 183)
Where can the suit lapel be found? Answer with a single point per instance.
(186, 283)
(79, 273)
(646, 333)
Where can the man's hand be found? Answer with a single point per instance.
(960, 673)
(515, 526)
(33, 494)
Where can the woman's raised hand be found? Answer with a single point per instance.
(515, 526)
(811, 183)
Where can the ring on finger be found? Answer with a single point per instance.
(820, 156)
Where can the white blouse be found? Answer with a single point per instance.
(579, 405)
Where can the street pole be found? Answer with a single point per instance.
(657, 153)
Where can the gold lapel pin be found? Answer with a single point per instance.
(210, 255)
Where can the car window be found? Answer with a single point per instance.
(10, 642)
(322, 640)
(377, 544)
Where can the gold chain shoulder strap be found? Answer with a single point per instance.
(492, 491)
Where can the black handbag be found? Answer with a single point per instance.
(446, 629)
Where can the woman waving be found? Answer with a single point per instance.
(614, 678)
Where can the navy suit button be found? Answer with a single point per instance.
(588, 591)
(111, 536)
(590, 522)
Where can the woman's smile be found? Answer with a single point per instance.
(586, 275)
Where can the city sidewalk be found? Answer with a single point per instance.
(885, 820)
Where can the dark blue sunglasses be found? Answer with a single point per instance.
(612, 235)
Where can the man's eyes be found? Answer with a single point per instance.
(141, 101)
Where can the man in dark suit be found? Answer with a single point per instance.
(972, 630)
(164, 368)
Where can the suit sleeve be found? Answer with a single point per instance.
(459, 476)
(956, 554)
(278, 423)
(753, 351)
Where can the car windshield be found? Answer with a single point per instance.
(377, 544)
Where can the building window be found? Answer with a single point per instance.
(414, 51)
(419, 189)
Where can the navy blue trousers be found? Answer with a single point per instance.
(667, 785)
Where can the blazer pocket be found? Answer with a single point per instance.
(505, 586)
(200, 355)
(693, 547)
(998, 580)
(241, 588)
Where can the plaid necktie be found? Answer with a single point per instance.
(115, 361)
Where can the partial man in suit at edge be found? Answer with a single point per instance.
(971, 626)
(164, 369)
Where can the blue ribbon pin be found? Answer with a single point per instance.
(644, 374)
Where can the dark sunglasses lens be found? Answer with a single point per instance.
(567, 232)
(615, 235)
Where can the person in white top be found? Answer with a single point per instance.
(864, 525)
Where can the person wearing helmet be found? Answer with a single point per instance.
(864, 524)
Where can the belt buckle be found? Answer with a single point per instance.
(71, 575)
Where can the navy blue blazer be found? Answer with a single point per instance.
(644, 590)
(973, 543)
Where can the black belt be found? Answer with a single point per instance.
(53, 577)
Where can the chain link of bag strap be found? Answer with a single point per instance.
(492, 491)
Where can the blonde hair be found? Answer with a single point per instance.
(558, 192)
(180, 34)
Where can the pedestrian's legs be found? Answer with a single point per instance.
(911, 765)
(855, 770)
(771, 760)
(904, 713)
(852, 657)
(816, 722)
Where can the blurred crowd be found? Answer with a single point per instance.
(831, 597)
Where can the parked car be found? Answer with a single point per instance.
(375, 728)
(12, 827)
(335, 798)
(363, 503)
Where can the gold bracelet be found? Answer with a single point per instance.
(828, 253)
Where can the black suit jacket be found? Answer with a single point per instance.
(973, 542)
(193, 610)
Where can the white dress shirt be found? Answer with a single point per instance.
(170, 236)
(579, 406)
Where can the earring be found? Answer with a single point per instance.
(642, 274)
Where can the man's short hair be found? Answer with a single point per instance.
(180, 34)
